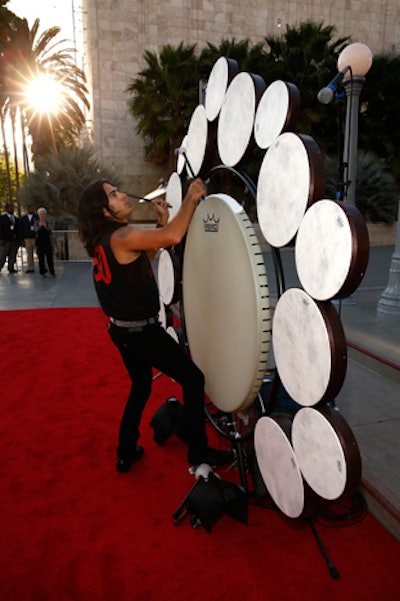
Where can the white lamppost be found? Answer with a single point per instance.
(389, 302)
(355, 61)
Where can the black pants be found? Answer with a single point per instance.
(48, 255)
(153, 347)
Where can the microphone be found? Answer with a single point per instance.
(325, 95)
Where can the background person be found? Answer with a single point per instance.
(9, 239)
(128, 294)
(44, 243)
(28, 235)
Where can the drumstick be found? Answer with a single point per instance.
(150, 196)
(182, 150)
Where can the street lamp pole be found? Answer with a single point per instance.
(355, 61)
(353, 87)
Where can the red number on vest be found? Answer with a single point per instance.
(101, 269)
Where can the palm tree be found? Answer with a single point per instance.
(27, 56)
(163, 97)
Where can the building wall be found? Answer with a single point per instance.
(117, 32)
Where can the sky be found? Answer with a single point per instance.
(51, 13)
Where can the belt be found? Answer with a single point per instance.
(134, 324)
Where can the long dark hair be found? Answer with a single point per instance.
(92, 223)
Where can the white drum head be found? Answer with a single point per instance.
(220, 77)
(226, 302)
(166, 276)
(172, 332)
(181, 161)
(320, 453)
(162, 316)
(325, 250)
(284, 189)
(173, 194)
(236, 119)
(271, 114)
(305, 348)
(197, 140)
(279, 467)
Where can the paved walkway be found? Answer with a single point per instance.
(370, 397)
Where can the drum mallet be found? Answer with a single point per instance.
(182, 150)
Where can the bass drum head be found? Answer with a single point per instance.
(222, 73)
(277, 111)
(331, 250)
(173, 194)
(327, 451)
(278, 464)
(309, 347)
(291, 178)
(226, 302)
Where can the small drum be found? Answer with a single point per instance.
(277, 111)
(309, 347)
(278, 465)
(200, 143)
(168, 276)
(291, 178)
(327, 451)
(222, 73)
(226, 302)
(331, 250)
(235, 135)
(173, 194)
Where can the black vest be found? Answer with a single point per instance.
(127, 292)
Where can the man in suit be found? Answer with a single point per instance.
(28, 235)
(9, 238)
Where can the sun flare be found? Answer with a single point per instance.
(44, 94)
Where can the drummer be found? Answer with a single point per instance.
(128, 295)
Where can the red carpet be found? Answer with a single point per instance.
(73, 529)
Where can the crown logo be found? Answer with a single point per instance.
(210, 223)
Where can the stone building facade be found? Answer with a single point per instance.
(117, 32)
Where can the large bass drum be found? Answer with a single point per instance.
(226, 302)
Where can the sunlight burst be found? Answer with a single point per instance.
(44, 94)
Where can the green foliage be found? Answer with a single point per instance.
(4, 187)
(163, 98)
(376, 188)
(60, 179)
